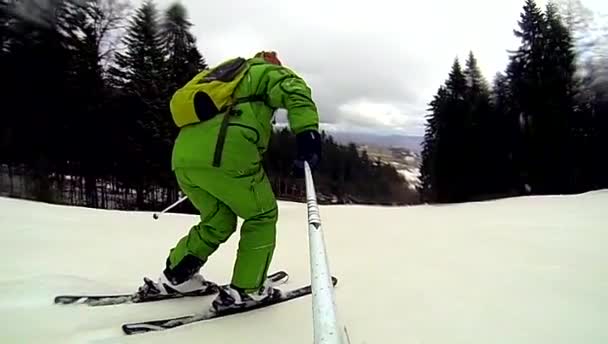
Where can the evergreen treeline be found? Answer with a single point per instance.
(344, 176)
(85, 110)
(541, 127)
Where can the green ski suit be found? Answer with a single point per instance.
(239, 186)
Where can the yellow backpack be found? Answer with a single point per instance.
(209, 93)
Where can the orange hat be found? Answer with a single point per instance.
(269, 56)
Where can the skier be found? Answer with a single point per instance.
(217, 163)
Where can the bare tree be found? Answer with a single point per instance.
(109, 22)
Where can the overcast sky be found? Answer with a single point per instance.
(372, 65)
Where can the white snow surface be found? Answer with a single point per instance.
(520, 270)
(412, 176)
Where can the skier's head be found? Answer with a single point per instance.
(269, 56)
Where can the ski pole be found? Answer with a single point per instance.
(155, 216)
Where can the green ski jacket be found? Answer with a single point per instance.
(270, 87)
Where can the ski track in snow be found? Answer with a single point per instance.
(520, 270)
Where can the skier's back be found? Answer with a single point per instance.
(218, 165)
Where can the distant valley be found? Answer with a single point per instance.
(412, 143)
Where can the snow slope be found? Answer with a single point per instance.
(522, 270)
(412, 176)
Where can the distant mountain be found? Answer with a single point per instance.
(413, 143)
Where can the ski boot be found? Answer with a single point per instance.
(183, 280)
(231, 297)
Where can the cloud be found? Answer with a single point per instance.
(370, 64)
(379, 117)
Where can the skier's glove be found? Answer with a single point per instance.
(308, 145)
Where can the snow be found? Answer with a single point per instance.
(412, 176)
(410, 159)
(520, 270)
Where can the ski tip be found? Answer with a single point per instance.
(68, 299)
(59, 300)
(142, 328)
(278, 276)
(126, 329)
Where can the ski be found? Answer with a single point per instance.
(276, 278)
(160, 325)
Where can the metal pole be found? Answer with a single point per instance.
(326, 329)
(155, 216)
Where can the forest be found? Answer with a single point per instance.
(539, 127)
(86, 120)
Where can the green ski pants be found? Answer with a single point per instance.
(220, 198)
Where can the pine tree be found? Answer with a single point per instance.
(454, 126)
(184, 59)
(480, 135)
(138, 74)
(6, 130)
(85, 25)
(579, 20)
(559, 105)
(591, 115)
(476, 82)
(139, 67)
(429, 155)
(590, 39)
(600, 121)
(444, 172)
(37, 52)
(524, 73)
(542, 85)
(505, 136)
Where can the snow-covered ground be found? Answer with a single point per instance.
(412, 176)
(522, 270)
